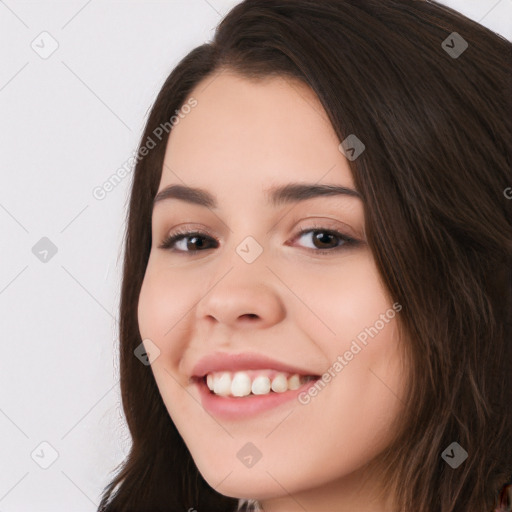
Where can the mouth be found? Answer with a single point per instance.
(241, 395)
(238, 386)
(246, 383)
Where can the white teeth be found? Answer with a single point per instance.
(260, 385)
(294, 382)
(280, 383)
(241, 384)
(256, 382)
(222, 384)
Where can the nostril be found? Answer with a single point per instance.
(250, 315)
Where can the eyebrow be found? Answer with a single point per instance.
(292, 192)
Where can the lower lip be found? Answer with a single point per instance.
(234, 408)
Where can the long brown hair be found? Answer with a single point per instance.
(437, 130)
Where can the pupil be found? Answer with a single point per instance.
(321, 237)
(193, 241)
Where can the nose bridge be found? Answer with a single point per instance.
(243, 288)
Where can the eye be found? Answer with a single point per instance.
(187, 241)
(322, 240)
(318, 240)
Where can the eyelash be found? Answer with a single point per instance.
(178, 235)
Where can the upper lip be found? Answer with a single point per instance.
(219, 361)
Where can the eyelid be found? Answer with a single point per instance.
(190, 228)
(328, 224)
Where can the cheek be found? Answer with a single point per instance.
(338, 302)
(164, 301)
(355, 326)
(369, 377)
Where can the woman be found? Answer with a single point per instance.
(316, 299)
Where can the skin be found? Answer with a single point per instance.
(291, 304)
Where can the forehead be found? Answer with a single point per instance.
(254, 133)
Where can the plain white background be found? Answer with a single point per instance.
(68, 121)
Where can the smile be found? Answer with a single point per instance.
(239, 386)
(244, 405)
(254, 382)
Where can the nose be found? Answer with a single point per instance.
(242, 298)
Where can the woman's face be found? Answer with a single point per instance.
(271, 287)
